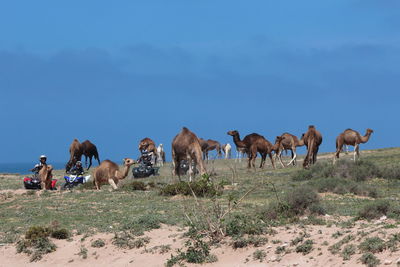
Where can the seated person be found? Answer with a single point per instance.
(146, 158)
(77, 169)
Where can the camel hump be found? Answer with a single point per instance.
(349, 129)
(311, 127)
(185, 130)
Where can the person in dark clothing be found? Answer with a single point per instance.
(36, 169)
(146, 158)
(77, 169)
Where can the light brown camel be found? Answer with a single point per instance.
(252, 144)
(149, 145)
(289, 142)
(186, 146)
(312, 140)
(89, 150)
(109, 172)
(351, 138)
(45, 176)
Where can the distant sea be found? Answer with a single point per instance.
(24, 168)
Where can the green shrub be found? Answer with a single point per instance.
(348, 250)
(203, 187)
(98, 243)
(134, 186)
(369, 259)
(60, 233)
(259, 255)
(256, 241)
(36, 243)
(240, 224)
(142, 224)
(359, 170)
(305, 247)
(372, 244)
(300, 199)
(128, 240)
(197, 251)
(374, 210)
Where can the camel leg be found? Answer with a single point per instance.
(294, 156)
(112, 183)
(279, 157)
(356, 152)
(90, 162)
(272, 160)
(263, 157)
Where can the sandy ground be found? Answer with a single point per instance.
(67, 251)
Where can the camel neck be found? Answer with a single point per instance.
(365, 138)
(237, 141)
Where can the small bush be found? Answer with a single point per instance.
(300, 199)
(128, 240)
(60, 233)
(359, 170)
(240, 224)
(83, 252)
(36, 243)
(204, 187)
(372, 244)
(374, 210)
(343, 186)
(98, 243)
(306, 247)
(197, 251)
(256, 241)
(348, 251)
(134, 186)
(144, 223)
(369, 259)
(259, 255)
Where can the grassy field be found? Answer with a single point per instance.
(89, 211)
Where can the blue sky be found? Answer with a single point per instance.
(115, 73)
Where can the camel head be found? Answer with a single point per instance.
(232, 133)
(128, 162)
(369, 131)
(278, 139)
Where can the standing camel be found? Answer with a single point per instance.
(75, 152)
(109, 172)
(240, 146)
(351, 138)
(312, 140)
(289, 142)
(45, 176)
(186, 146)
(227, 149)
(252, 144)
(90, 151)
(212, 145)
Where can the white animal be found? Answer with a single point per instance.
(160, 155)
(227, 148)
(240, 153)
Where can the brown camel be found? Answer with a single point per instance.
(351, 138)
(89, 151)
(186, 146)
(45, 176)
(109, 172)
(252, 144)
(312, 140)
(75, 150)
(209, 145)
(289, 142)
(149, 145)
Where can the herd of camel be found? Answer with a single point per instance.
(186, 146)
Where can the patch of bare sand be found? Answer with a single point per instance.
(322, 236)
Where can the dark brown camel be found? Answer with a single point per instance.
(75, 150)
(289, 142)
(186, 146)
(253, 143)
(351, 138)
(90, 151)
(312, 140)
(209, 145)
